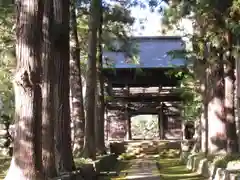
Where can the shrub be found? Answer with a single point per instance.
(171, 153)
(221, 161)
(127, 156)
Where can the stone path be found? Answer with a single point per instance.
(142, 169)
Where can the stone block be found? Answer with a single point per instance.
(212, 170)
(233, 176)
(106, 163)
(203, 168)
(190, 162)
(184, 157)
(221, 174)
(196, 161)
(233, 166)
(117, 148)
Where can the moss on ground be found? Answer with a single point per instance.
(4, 165)
(174, 169)
(170, 169)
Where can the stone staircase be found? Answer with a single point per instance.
(149, 147)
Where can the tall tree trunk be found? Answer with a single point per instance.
(237, 62)
(201, 69)
(27, 157)
(64, 157)
(206, 98)
(216, 124)
(77, 108)
(205, 110)
(89, 139)
(101, 108)
(48, 155)
(229, 98)
(97, 118)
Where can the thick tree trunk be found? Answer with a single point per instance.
(89, 139)
(204, 117)
(64, 157)
(27, 157)
(237, 120)
(101, 138)
(101, 108)
(229, 99)
(48, 155)
(216, 119)
(77, 108)
(97, 118)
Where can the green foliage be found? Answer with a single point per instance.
(117, 21)
(192, 98)
(6, 92)
(6, 27)
(127, 156)
(81, 161)
(108, 98)
(189, 92)
(7, 57)
(212, 21)
(169, 153)
(221, 161)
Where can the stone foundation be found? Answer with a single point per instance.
(208, 170)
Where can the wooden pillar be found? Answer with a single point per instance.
(107, 125)
(127, 116)
(161, 123)
(129, 128)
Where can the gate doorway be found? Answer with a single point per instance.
(145, 127)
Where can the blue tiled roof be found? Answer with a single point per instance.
(153, 53)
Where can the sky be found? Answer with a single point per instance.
(152, 22)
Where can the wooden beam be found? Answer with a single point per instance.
(160, 98)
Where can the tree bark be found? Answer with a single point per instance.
(89, 139)
(97, 113)
(48, 155)
(237, 120)
(229, 98)
(101, 108)
(205, 111)
(77, 108)
(217, 137)
(26, 162)
(63, 151)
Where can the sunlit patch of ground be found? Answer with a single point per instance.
(173, 169)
